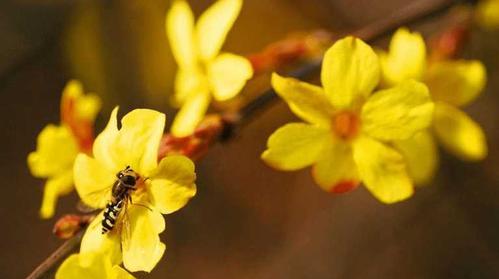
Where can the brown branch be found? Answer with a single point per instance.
(48, 265)
(228, 124)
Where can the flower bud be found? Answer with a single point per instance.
(69, 225)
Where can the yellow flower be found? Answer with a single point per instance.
(203, 72)
(164, 187)
(452, 84)
(94, 266)
(487, 13)
(348, 129)
(58, 145)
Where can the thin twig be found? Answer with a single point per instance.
(56, 257)
(417, 10)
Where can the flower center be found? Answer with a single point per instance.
(346, 124)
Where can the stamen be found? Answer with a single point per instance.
(346, 124)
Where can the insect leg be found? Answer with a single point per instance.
(139, 204)
(143, 205)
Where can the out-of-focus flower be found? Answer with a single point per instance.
(348, 129)
(452, 84)
(204, 73)
(487, 13)
(93, 265)
(78, 112)
(163, 188)
(58, 145)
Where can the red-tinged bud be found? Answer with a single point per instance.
(69, 225)
(344, 186)
(196, 145)
(290, 50)
(449, 43)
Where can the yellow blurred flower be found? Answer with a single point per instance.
(58, 145)
(164, 187)
(203, 71)
(487, 13)
(348, 129)
(95, 266)
(452, 84)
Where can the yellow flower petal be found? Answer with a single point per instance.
(73, 90)
(214, 25)
(144, 248)
(456, 82)
(421, 155)
(458, 133)
(350, 72)
(97, 266)
(406, 59)
(335, 166)
(382, 170)
(140, 135)
(93, 181)
(488, 13)
(85, 106)
(187, 83)
(295, 146)
(56, 186)
(94, 241)
(190, 115)
(102, 148)
(180, 32)
(135, 144)
(74, 269)
(228, 74)
(55, 152)
(306, 100)
(119, 273)
(172, 184)
(399, 112)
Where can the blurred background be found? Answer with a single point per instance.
(247, 220)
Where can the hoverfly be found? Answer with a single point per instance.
(120, 196)
(117, 205)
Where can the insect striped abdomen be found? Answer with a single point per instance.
(111, 215)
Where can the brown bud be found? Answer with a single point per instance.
(196, 145)
(449, 43)
(290, 50)
(69, 225)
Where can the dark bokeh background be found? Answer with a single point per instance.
(247, 220)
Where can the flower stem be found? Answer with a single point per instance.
(416, 11)
(47, 267)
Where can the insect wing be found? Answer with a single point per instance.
(98, 197)
(125, 227)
